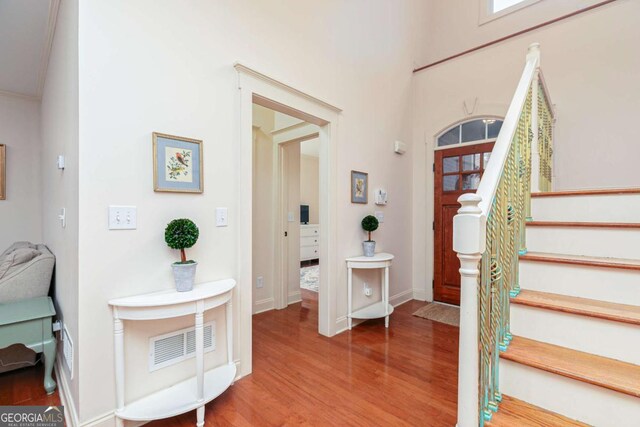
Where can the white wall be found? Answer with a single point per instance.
(59, 115)
(592, 74)
(169, 68)
(453, 26)
(20, 213)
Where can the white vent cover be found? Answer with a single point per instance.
(174, 347)
(67, 350)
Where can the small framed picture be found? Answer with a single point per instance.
(359, 187)
(177, 164)
(3, 172)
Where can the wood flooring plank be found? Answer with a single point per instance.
(515, 412)
(597, 370)
(582, 306)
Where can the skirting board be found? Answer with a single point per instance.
(108, 419)
(263, 305)
(394, 300)
(294, 297)
(70, 413)
(420, 294)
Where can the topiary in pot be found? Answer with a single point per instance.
(369, 224)
(182, 234)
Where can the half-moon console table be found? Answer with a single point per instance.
(380, 309)
(195, 392)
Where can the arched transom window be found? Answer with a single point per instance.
(470, 131)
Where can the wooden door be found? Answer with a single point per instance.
(457, 171)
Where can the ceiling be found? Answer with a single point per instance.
(26, 33)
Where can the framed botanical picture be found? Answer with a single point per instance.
(177, 164)
(3, 172)
(359, 187)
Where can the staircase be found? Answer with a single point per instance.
(575, 349)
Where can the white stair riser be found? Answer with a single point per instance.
(574, 399)
(602, 242)
(602, 337)
(611, 208)
(604, 284)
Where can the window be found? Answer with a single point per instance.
(470, 131)
(494, 9)
(498, 5)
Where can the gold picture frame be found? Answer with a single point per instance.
(3, 172)
(177, 164)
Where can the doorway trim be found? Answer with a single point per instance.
(256, 87)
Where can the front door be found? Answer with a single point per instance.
(457, 171)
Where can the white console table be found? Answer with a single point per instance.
(195, 392)
(380, 309)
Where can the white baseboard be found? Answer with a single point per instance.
(420, 294)
(263, 305)
(70, 412)
(109, 419)
(401, 298)
(294, 297)
(341, 324)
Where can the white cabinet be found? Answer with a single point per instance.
(195, 392)
(309, 242)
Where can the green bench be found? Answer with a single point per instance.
(28, 322)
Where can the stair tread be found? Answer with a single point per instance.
(515, 412)
(628, 264)
(597, 370)
(583, 224)
(583, 306)
(592, 192)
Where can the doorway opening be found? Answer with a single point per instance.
(286, 221)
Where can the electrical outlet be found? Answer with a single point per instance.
(260, 282)
(367, 290)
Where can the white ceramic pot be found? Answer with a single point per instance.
(369, 247)
(184, 275)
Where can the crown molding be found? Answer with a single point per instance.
(54, 6)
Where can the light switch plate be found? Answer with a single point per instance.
(123, 217)
(260, 282)
(380, 216)
(291, 217)
(221, 217)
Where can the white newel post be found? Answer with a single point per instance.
(534, 51)
(469, 231)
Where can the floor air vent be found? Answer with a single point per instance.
(174, 347)
(67, 350)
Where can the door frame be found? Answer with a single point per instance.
(281, 261)
(256, 87)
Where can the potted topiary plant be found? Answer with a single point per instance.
(369, 223)
(181, 234)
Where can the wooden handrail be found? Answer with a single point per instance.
(516, 34)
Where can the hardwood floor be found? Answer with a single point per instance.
(403, 376)
(371, 376)
(24, 387)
